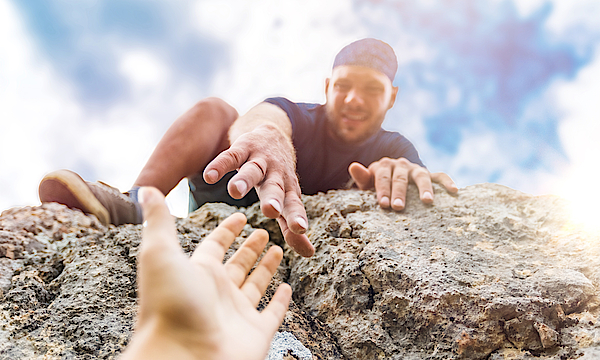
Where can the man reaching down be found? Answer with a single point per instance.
(277, 151)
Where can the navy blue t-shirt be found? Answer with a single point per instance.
(322, 162)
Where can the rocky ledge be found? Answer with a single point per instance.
(491, 273)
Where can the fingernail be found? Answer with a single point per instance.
(212, 175)
(398, 203)
(275, 204)
(241, 186)
(427, 195)
(301, 222)
(385, 201)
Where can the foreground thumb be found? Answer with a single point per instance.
(159, 225)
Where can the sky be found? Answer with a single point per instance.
(501, 91)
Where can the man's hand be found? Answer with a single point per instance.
(265, 159)
(196, 307)
(390, 177)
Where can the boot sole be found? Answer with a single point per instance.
(67, 188)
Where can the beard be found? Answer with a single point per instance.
(348, 135)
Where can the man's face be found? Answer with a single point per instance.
(357, 99)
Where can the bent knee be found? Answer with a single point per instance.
(217, 109)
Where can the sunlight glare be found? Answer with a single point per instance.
(583, 200)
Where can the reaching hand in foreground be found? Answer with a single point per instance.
(390, 177)
(197, 307)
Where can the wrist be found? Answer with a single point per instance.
(272, 135)
(274, 132)
(150, 343)
(263, 115)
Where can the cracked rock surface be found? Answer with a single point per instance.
(491, 273)
(68, 289)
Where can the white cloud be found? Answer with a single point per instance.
(279, 47)
(31, 101)
(275, 48)
(527, 7)
(578, 101)
(574, 15)
(578, 108)
(222, 19)
(143, 69)
(44, 127)
(573, 21)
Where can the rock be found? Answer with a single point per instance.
(488, 270)
(75, 297)
(285, 343)
(491, 273)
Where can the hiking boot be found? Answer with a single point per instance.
(107, 203)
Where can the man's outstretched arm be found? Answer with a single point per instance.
(390, 178)
(197, 307)
(263, 154)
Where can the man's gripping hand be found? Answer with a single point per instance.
(197, 307)
(390, 177)
(265, 159)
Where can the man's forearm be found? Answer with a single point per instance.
(261, 114)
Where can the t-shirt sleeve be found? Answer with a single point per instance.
(290, 108)
(303, 123)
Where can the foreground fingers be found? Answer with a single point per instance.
(256, 284)
(160, 252)
(273, 314)
(159, 234)
(215, 245)
(242, 261)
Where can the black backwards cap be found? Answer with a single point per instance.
(371, 53)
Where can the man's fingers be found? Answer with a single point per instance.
(361, 176)
(158, 235)
(249, 175)
(271, 193)
(294, 212)
(399, 187)
(383, 185)
(444, 180)
(229, 160)
(256, 284)
(422, 178)
(274, 312)
(241, 262)
(216, 243)
(299, 243)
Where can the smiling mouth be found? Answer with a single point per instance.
(354, 118)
